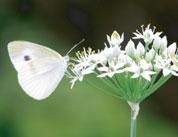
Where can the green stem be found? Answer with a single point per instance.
(133, 125)
(134, 113)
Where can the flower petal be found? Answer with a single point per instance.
(130, 48)
(146, 76)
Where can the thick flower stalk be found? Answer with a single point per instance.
(132, 72)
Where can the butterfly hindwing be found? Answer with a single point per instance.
(40, 81)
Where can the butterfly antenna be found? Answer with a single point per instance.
(75, 46)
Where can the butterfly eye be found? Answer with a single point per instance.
(27, 58)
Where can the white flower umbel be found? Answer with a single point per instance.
(132, 72)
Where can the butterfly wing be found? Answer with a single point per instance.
(21, 51)
(40, 77)
(40, 69)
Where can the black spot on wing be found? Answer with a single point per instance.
(27, 58)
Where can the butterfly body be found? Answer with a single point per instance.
(39, 69)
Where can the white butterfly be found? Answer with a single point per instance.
(39, 69)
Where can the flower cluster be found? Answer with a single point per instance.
(149, 57)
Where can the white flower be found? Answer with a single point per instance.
(157, 42)
(110, 53)
(130, 48)
(115, 39)
(125, 59)
(140, 51)
(87, 59)
(111, 69)
(142, 69)
(163, 44)
(147, 34)
(167, 61)
(171, 51)
(75, 76)
(150, 55)
(160, 43)
(164, 64)
(135, 52)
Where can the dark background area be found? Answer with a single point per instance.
(83, 111)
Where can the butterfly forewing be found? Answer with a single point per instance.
(22, 51)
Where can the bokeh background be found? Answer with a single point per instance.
(82, 111)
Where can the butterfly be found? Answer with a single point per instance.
(39, 68)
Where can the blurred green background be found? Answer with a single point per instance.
(82, 111)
